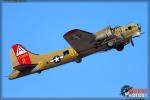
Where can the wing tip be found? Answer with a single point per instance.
(71, 32)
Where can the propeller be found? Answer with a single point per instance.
(132, 43)
(111, 29)
(140, 27)
(122, 36)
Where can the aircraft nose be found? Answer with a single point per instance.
(138, 33)
(139, 27)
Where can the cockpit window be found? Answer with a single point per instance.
(66, 52)
(130, 28)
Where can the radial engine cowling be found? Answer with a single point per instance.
(101, 35)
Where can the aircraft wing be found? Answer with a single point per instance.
(80, 40)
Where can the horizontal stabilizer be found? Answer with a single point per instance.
(24, 67)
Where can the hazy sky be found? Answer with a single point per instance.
(40, 27)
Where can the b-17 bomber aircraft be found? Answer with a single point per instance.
(83, 44)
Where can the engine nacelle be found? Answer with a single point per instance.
(101, 35)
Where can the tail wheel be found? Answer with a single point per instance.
(120, 47)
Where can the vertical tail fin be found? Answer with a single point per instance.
(19, 55)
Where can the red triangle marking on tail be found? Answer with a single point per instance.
(21, 54)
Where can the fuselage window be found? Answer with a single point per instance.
(66, 52)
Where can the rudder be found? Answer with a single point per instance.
(19, 55)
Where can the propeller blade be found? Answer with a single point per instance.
(122, 36)
(109, 26)
(132, 43)
(140, 27)
(111, 29)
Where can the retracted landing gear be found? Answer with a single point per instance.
(120, 47)
(39, 72)
(78, 60)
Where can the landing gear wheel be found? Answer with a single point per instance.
(78, 60)
(120, 47)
